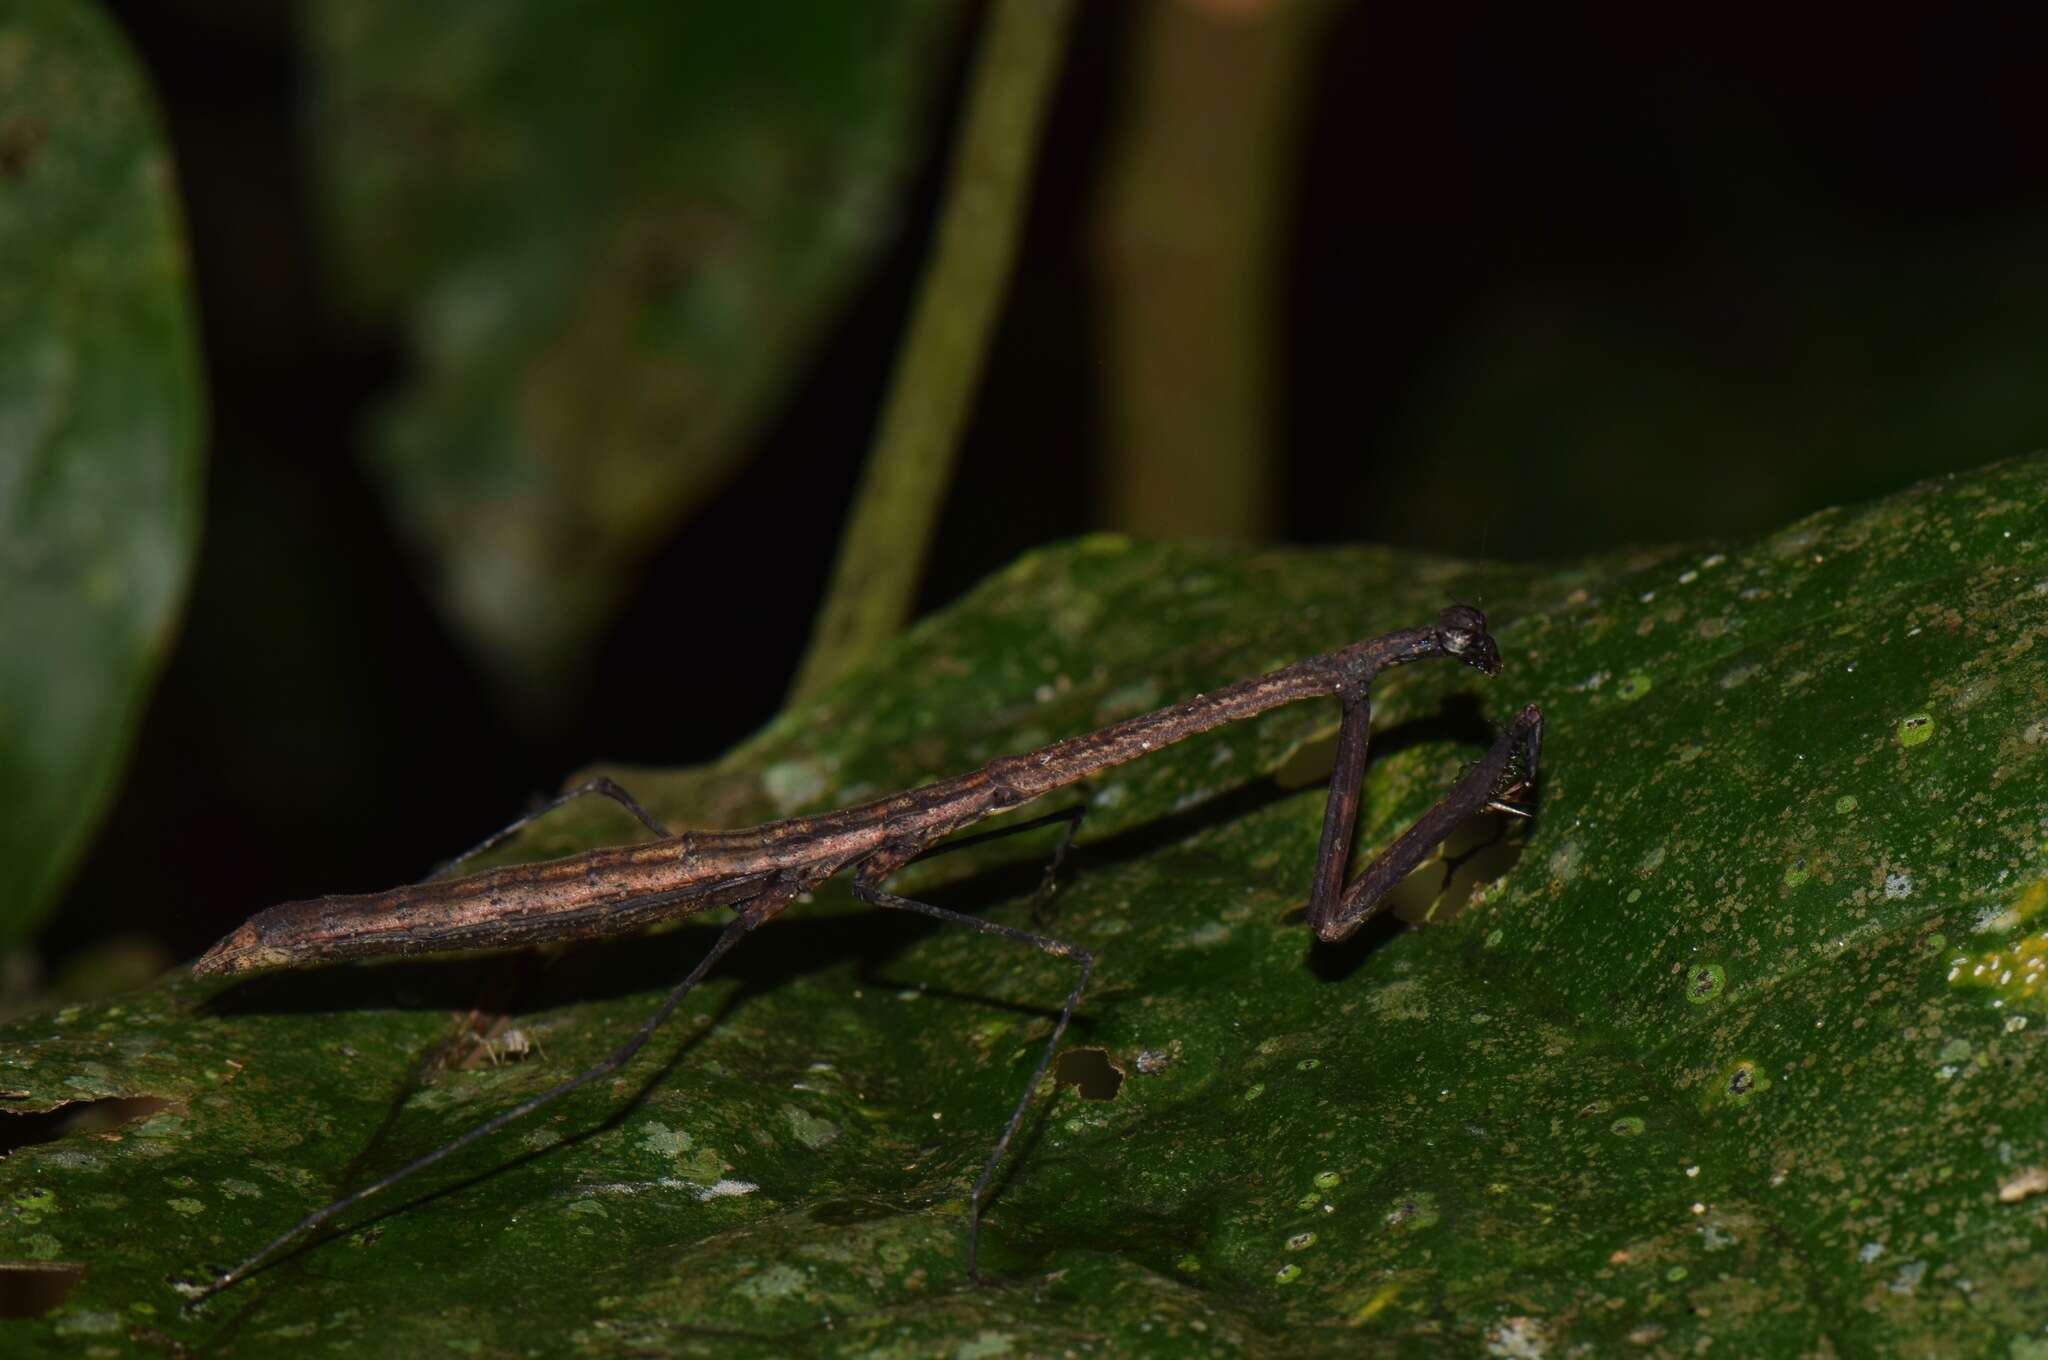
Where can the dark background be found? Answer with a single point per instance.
(1557, 283)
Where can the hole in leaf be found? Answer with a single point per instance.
(20, 1130)
(29, 1289)
(1412, 898)
(1089, 1071)
(1483, 850)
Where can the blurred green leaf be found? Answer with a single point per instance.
(1744, 1050)
(102, 426)
(1799, 378)
(612, 233)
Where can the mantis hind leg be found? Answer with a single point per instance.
(867, 887)
(747, 915)
(1048, 883)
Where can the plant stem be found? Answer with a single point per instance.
(881, 558)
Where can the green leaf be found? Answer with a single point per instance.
(1744, 1048)
(612, 235)
(101, 432)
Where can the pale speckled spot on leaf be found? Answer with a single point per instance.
(808, 1128)
(42, 1246)
(89, 1322)
(793, 785)
(727, 1189)
(700, 1165)
(777, 1281)
(1519, 1338)
(1406, 999)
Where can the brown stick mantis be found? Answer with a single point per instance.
(760, 871)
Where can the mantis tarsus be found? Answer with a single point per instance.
(760, 871)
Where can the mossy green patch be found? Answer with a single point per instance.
(1638, 1087)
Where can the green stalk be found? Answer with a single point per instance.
(881, 559)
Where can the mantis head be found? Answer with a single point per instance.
(1461, 632)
